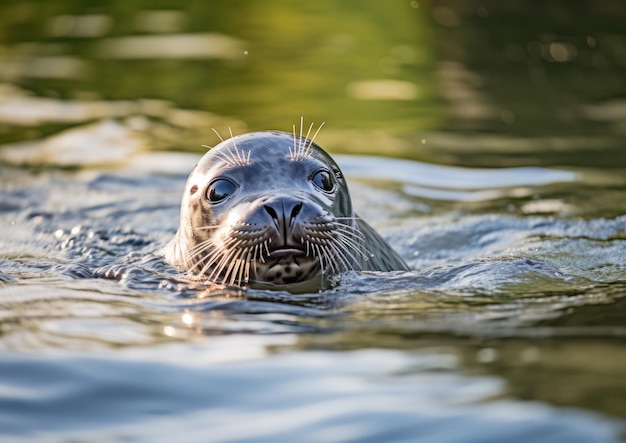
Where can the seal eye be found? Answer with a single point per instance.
(219, 190)
(323, 181)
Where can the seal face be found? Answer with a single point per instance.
(273, 210)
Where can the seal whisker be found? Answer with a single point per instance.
(346, 225)
(292, 150)
(242, 259)
(257, 253)
(348, 230)
(209, 242)
(301, 142)
(232, 262)
(206, 267)
(235, 264)
(226, 259)
(352, 242)
(230, 158)
(231, 272)
(218, 134)
(234, 161)
(320, 257)
(233, 156)
(242, 264)
(240, 157)
(296, 153)
(193, 252)
(353, 238)
(340, 255)
(324, 259)
(346, 249)
(358, 247)
(251, 262)
(299, 151)
(246, 267)
(226, 158)
(306, 151)
(331, 259)
(209, 260)
(215, 255)
(315, 135)
(206, 262)
(214, 275)
(218, 272)
(302, 145)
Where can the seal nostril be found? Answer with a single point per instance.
(271, 212)
(296, 210)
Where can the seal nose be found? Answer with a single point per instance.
(284, 211)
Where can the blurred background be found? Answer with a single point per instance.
(476, 83)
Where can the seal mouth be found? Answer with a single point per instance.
(287, 252)
(285, 266)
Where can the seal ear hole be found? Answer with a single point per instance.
(193, 189)
(323, 180)
(338, 174)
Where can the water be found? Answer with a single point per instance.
(507, 203)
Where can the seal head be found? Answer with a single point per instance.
(273, 210)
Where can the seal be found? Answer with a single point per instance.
(272, 210)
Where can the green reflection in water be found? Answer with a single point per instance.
(311, 59)
(365, 65)
(477, 83)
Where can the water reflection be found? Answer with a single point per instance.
(80, 26)
(185, 46)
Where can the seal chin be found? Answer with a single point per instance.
(286, 266)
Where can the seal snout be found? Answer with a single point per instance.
(287, 255)
(287, 214)
(283, 211)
